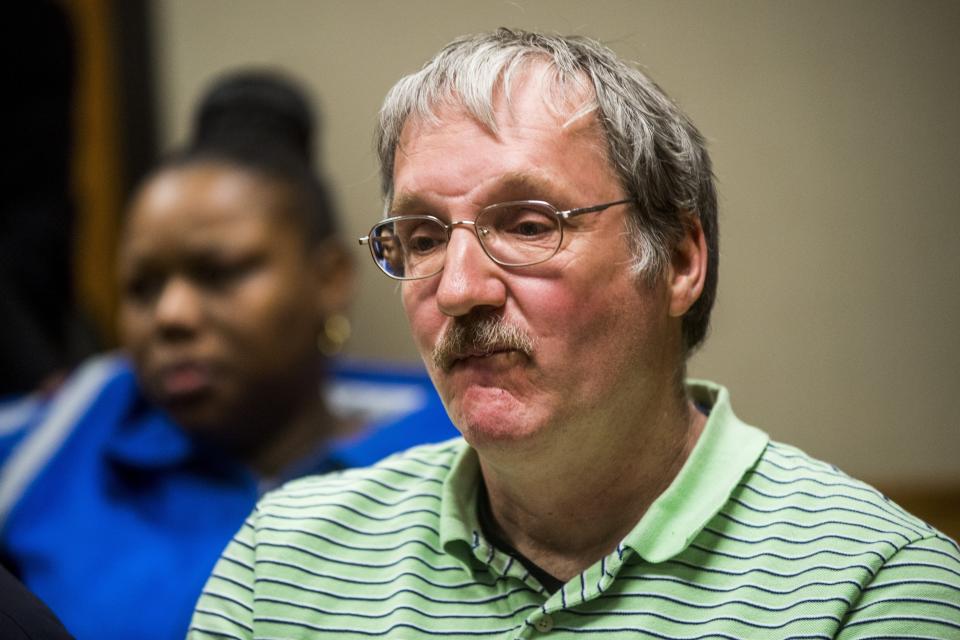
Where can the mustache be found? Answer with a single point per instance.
(477, 335)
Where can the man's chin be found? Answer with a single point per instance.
(492, 418)
(503, 441)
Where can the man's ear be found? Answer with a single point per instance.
(334, 278)
(688, 266)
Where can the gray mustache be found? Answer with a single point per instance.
(484, 334)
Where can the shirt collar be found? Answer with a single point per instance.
(458, 502)
(726, 449)
(148, 439)
(142, 436)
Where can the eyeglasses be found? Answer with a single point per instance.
(512, 234)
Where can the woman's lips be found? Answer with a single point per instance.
(184, 380)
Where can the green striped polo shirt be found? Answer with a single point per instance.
(753, 539)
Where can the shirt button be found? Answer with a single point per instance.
(544, 624)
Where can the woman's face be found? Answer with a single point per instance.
(221, 300)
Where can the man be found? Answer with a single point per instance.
(552, 217)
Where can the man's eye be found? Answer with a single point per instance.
(420, 244)
(529, 228)
(421, 237)
(527, 224)
(520, 222)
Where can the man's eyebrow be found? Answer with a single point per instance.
(408, 203)
(525, 183)
(516, 184)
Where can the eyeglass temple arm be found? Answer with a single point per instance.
(570, 213)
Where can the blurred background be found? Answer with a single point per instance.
(833, 127)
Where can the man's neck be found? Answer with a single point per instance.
(566, 517)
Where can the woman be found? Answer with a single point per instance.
(119, 492)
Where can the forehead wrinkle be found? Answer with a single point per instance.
(527, 183)
(522, 182)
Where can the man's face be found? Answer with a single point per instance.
(603, 344)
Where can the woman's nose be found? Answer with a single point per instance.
(178, 308)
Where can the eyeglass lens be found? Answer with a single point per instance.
(513, 234)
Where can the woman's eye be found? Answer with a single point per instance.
(209, 274)
(219, 275)
(142, 288)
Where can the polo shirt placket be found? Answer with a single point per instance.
(697, 494)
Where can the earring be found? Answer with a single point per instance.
(336, 331)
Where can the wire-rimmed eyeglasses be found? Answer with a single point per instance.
(520, 233)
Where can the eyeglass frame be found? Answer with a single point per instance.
(561, 216)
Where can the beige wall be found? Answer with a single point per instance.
(835, 133)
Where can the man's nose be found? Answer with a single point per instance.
(179, 308)
(470, 279)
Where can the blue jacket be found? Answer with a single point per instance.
(114, 516)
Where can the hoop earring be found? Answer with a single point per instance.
(336, 332)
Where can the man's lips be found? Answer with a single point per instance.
(485, 358)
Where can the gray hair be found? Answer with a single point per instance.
(657, 152)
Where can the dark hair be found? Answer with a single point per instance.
(262, 122)
(659, 154)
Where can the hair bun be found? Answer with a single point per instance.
(254, 109)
